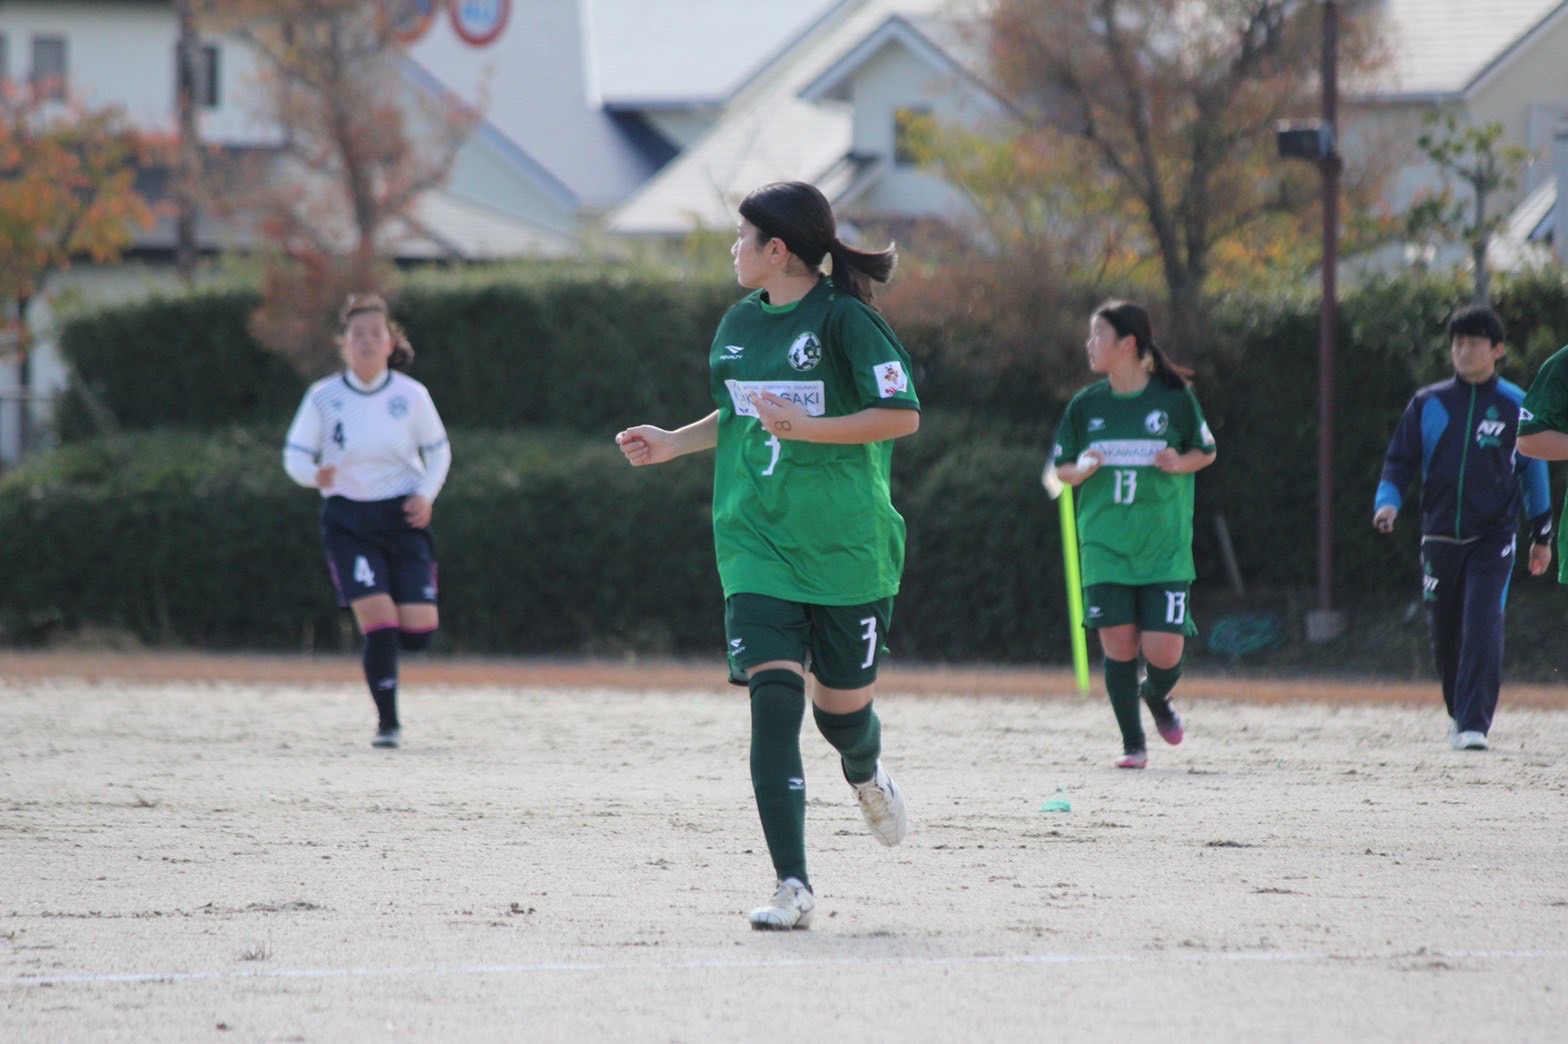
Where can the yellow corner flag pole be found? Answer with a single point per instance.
(1064, 501)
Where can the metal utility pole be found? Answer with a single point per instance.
(1328, 623)
(187, 176)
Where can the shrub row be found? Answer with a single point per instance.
(547, 544)
(553, 537)
(550, 544)
(583, 354)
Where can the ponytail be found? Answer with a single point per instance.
(854, 269)
(799, 214)
(1131, 320)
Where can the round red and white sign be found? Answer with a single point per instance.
(479, 22)
(409, 20)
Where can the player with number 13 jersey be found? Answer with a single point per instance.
(1134, 520)
(1130, 445)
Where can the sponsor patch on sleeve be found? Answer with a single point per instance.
(891, 378)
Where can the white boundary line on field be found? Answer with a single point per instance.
(1238, 957)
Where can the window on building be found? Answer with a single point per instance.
(49, 69)
(903, 151)
(207, 93)
(204, 76)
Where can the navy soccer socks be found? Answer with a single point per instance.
(379, 655)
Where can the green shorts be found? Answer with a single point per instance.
(1153, 607)
(840, 644)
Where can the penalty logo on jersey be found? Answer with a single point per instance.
(806, 352)
(1157, 422)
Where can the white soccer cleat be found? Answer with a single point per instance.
(1470, 741)
(790, 907)
(882, 803)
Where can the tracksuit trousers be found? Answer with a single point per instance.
(1464, 590)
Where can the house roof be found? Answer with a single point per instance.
(531, 83)
(936, 41)
(444, 226)
(1524, 236)
(565, 79)
(769, 132)
(1445, 47)
(687, 53)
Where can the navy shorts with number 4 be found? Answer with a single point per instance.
(840, 644)
(371, 549)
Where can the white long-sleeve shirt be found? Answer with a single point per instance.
(385, 440)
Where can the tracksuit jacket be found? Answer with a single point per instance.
(1461, 438)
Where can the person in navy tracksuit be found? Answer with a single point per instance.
(1458, 435)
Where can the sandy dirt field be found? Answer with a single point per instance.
(207, 849)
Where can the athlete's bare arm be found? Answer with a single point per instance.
(1544, 445)
(646, 444)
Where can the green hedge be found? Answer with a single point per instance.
(590, 354)
(548, 543)
(584, 354)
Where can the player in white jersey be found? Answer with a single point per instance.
(371, 440)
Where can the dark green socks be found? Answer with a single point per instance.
(857, 736)
(1157, 686)
(1121, 684)
(778, 779)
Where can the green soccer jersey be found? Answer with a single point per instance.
(1545, 408)
(806, 522)
(1134, 520)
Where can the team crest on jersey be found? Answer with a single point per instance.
(398, 407)
(806, 352)
(1489, 432)
(1157, 422)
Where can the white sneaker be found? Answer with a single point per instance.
(790, 907)
(1470, 741)
(882, 803)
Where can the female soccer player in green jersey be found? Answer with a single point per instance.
(811, 387)
(1131, 444)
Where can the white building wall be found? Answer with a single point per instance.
(122, 55)
(893, 80)
(99, 285)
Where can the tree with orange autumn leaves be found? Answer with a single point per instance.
(1142, 146)
(67, 194)
(359, 146)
